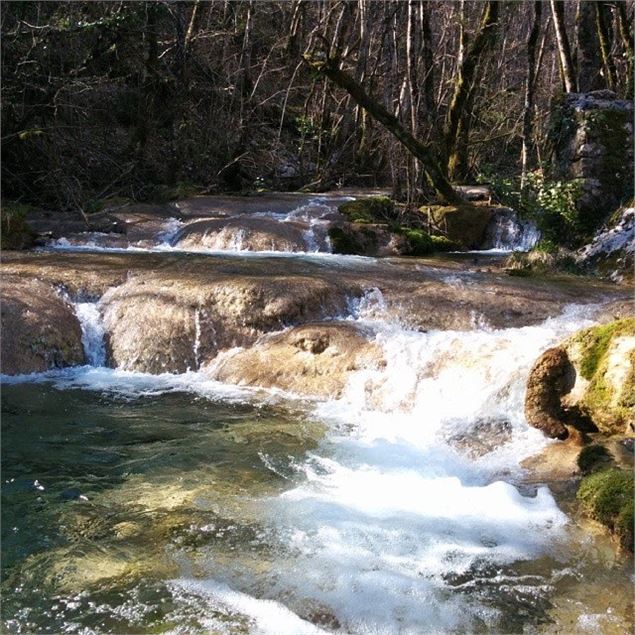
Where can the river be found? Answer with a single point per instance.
(176, 503)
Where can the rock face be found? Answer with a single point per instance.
(612, 250)
(312, 360)
(243, 233)
(587, 382)
(157, 324)
(39, 329)
(592, 135)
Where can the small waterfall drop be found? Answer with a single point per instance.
(508, 232)
(92, 332)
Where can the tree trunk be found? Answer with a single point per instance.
(528, 106)
(626, 36)
(423, 152)
(564, 50)
(463, 83)
(589, 66)
(604, 38)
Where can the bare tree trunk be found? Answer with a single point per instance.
(463, 84)
(604, 37)
(626, 36)
(564, 49)
(423, 152)
(528, 106)
(589, 77)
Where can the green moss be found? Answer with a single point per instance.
(607, 496)
(418, 242)
(343, 242)
(378, 209)
(592, 457)
(595, 342)
(15, 232)
(167, 193)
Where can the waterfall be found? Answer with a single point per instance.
(92, 332)
(508, 232)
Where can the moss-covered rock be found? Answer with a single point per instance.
(604, 357)
(15, 232)
(464, 225)
(593, 457)
(607, 496)
(599, 392)
(351, 241)
(377, 209)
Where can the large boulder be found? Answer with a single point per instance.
(40, 330)
(465, 224)
(161, 324)
(246, 233)
(592, 137)
(312, 360)
(588, 382)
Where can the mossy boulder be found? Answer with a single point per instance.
(464, 225)
(587, 382)
(15, 232)
(353, 240)
(604, 357)
(607, 496)
(377, 209)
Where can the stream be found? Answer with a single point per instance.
(174, 503)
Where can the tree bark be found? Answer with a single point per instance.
(604, 38)
(564, 49)
(589, 65)
(463, 83)
(529, 90)
(432, 168)
(626, 36)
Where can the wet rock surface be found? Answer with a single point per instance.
(312, 360)
(39, 328)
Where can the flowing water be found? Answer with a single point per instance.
(171, 503)
(137, 503)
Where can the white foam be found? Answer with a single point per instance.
(93, 333)
(267, 617)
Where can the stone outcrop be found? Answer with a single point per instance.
(552, 377)
(588, 383)
(39, 328)
(243, 233)
(465, 225)
(161, 324)
(312, 360)
(592, 136)
(612, 251)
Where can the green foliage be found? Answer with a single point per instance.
(167, 193)
(591, 457)
(15, 232)
(545, 246)
(607, 496)
(552, 205)
(378, 209)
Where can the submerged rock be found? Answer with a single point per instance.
(587, 382)
(312, 360)
(39, 328)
